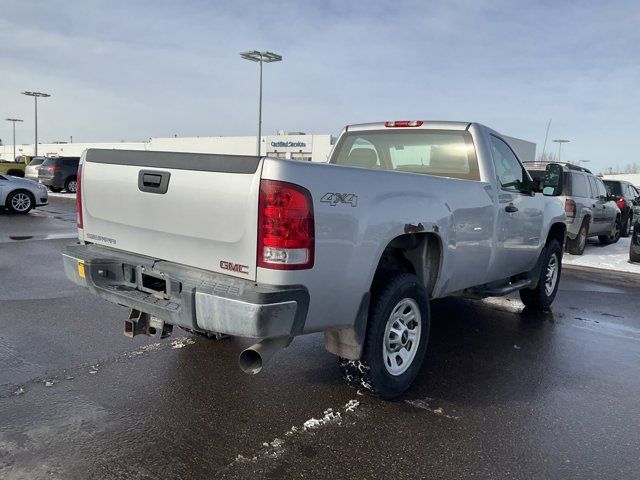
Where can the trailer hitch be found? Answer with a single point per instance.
(141, 323)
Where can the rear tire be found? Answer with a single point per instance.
(20, 202)
(614, 236)
(577, 245)
(71, 185)
(396, 340)
(541, 297)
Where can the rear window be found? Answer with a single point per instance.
(37, 161)
(442, 153)
(579, 187)
(613, 188)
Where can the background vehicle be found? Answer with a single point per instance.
(628, 201)
(59, 173)
(20, 195)
(634, 248)
(403, 212)
(16, 168)
(590, 212)
(31, 170)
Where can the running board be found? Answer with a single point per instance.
(499, 292)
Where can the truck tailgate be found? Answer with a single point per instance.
(195, 209)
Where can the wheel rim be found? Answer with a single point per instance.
(583, 238)
(551, 277)
(21, 202)
(402, 336)
(71, 187)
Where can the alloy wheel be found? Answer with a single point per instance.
(21, 202)
(551, 277)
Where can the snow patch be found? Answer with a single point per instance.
(610, 257)
(182, 342)
(19, 391)
(49, 383)
(425, 404)
(276, 448)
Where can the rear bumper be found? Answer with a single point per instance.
(193, 298)
(56, 181)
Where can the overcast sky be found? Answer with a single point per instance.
(133, 70)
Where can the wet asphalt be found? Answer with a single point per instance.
(502, 394)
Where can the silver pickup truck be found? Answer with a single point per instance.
(402, 213)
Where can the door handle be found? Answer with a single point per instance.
(153, 181)
(511, 208)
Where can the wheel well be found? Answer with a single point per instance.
(416, 253)
(558, 231)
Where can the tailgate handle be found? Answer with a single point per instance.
(153, 181)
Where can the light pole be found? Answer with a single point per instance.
(14, 120)
(560, 141)
(35, 95)
(262, 57)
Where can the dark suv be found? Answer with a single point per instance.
(59, 172)
(628, 200)
(590, 211)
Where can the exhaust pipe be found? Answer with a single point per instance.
(253, 358)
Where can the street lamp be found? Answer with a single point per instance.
(262, 57)
(560, 142)
(35, 95)
(14, 120)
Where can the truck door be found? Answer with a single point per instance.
(519, 215)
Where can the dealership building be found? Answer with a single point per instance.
(295, 146)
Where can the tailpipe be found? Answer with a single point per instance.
(253, 358)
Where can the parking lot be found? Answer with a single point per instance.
(502, 394)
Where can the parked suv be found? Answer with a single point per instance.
(59, 172)
(589, 209)
(31, 170)
(628, 200)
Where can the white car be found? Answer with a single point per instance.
(20, 195)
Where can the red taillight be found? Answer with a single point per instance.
(621, 202)
(79, 196)
(286, 238)
(53, 169)
(37, 167)
(404, 123)
(570, 208)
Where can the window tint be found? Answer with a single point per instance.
(613, 188)
(70, 162)
(602, 191)
(593, 187)
(579, 187)
(431, 152)
(37, 161)
(509, 171)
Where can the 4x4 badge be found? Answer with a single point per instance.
(335, 198)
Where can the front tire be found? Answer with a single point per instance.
(626, 230)
(396, 340)
(541, 297)
(20, 202)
